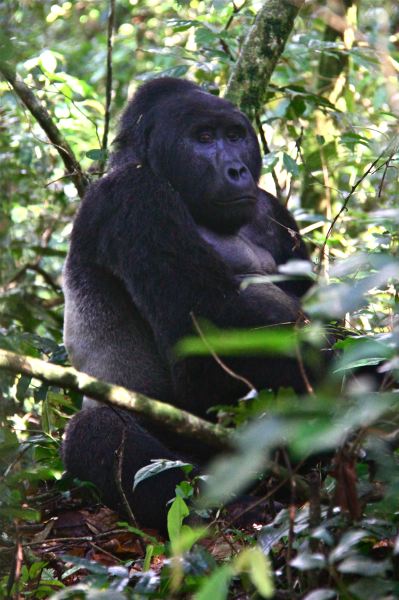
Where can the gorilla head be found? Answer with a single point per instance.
(200, 144)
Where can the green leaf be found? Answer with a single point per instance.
(220, 4)
(156, 467)
(177, 71)
(362, 362)
(177, 512)
(350, 139)
(346, 543)
(96, 154)
(205, 36)
(216, 587)
(182, 24)
(298, 268)
(269, 162)
(271, 535)
(368, 588)
(234, 342)
(230, 475)
(259, 569)
(328, 152)
(321, 594)
(147, 537)
(26, 514)
(149, 551)
(296, 108)
(360, 565)
(88, 592)
(307, 562)
(187, 538)
(290, 165)
(7, 50)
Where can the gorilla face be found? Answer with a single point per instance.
(207, 150)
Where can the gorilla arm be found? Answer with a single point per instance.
(275, 230)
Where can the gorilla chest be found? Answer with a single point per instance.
(243, 256)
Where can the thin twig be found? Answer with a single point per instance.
(266, 150)
(305, 378)
(386, 167)
(314, 481)
(292, 515)
(236, 10)
(108, 89)
(46, 276)
(294, 234)
(219, 361)
(80, 539)
(226, 49)
(282, 474)
(345, 206)
(15, 571)
(119, 454)
(105, 552)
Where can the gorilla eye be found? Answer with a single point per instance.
(234, 135)
(205, 137)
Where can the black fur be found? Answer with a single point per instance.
(172, 230)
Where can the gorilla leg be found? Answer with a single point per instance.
(89, 453)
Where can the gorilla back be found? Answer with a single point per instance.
(171, 231)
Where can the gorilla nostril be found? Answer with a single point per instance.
(233, 174)
(236, 173)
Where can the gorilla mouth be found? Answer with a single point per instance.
(239, 200)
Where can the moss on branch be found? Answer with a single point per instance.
(263, 46)
(177, 420)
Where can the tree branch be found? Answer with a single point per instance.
(44, 119)
(179, 421)
(263, 46)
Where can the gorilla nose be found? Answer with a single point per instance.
(237, 173)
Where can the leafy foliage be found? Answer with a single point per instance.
(329, 134)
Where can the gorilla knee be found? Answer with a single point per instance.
(89, 452)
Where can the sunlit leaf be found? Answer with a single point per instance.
(346, 543)
(361, 565)
(290, 165)
(321, 594)
(257, 565)
(306, 562)
(156, 467)
(176, 514)
(270, 340)
(216, 587)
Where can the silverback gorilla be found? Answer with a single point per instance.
(171, 231)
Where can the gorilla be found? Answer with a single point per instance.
(171, 232)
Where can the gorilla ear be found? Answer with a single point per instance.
(140, 115)
(131, 141)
